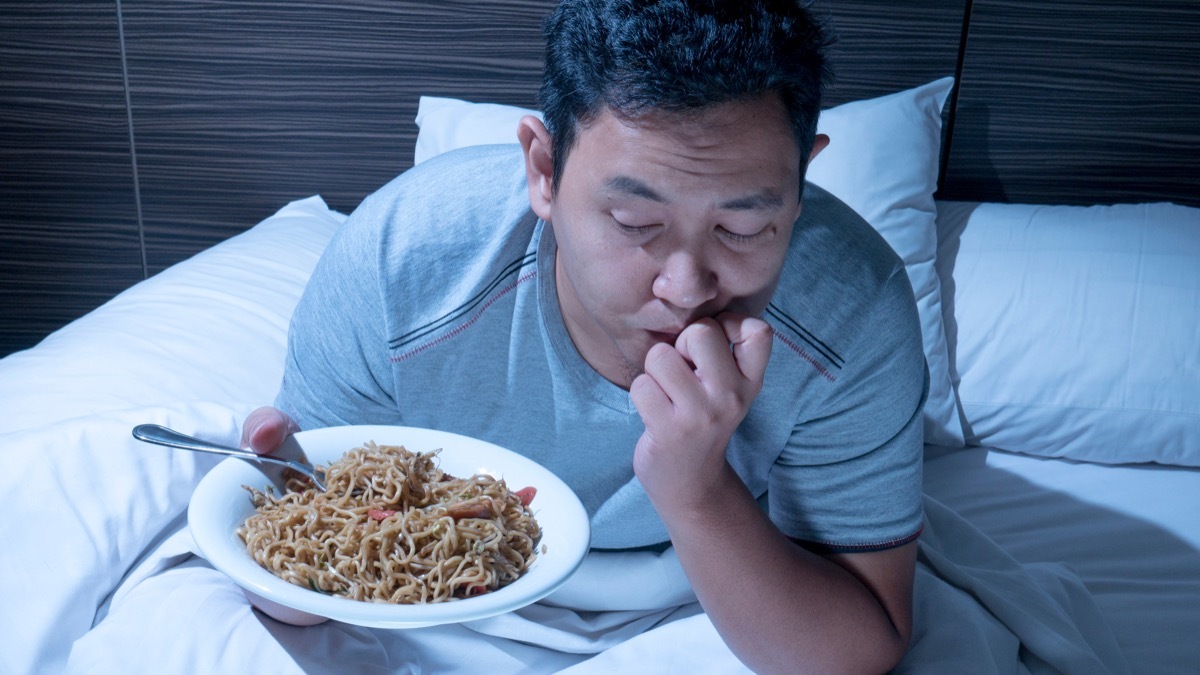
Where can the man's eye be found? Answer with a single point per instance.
(631, 229)
(742, 238)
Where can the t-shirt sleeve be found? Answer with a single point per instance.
(336, 370)
(849, 478)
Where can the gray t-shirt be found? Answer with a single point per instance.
(435, 306)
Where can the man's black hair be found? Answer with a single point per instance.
(636, 56)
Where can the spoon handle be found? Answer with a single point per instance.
(160, 435)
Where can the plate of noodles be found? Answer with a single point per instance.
(418, 527)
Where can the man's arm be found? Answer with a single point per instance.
(778, 606)
(781, 608)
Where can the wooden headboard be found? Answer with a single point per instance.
(134, 134)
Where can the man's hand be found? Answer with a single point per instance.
(265, 430)
(778, 606)
(691, 398)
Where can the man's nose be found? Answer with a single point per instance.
(685, 280)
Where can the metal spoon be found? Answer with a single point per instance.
(160, 435)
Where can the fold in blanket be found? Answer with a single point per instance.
(977, 609)
(150, 605)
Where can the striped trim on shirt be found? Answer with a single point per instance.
(510, 270)
(808, 346)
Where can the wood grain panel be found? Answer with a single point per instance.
(68, 221)
(1079, 102)
(240, 107)
(882, 47)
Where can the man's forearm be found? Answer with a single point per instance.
(779, 607)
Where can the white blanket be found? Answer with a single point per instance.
(103, 579)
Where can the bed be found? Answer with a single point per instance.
(1056, 269)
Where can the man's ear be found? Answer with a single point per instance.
(819, 143)
(539, 164)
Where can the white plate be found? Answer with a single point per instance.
(220, 505)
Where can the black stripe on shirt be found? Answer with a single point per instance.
(419, 332)
(804, 335)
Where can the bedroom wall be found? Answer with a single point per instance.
(235, 108)
(1078, 102)
(69, 227)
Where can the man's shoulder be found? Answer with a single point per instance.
(437, 236)
(839, 275)
(829, 232)
(450, 211)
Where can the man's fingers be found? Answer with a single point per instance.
(672, 374)
(266, 428)
(705, 345)
(648, 397)
(728, 346)
(751, 339)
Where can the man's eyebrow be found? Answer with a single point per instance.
(763, 201)
(633, 187)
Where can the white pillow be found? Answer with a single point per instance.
(1075, 331)
(882, 161)
(445, 124)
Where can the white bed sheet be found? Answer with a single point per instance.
(1131, 533)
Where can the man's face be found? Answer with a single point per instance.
(669, 218)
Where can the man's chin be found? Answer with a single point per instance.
(658, 336)
(633, 361)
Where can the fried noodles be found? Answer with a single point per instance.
(393, 527)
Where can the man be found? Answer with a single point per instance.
(639, 300)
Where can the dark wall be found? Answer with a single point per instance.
(1078, 102)
(69, 228)
(241, 107)
(234, 109)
